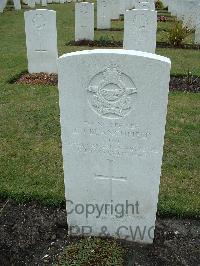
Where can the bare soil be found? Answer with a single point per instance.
(32, 234)
(36, 79)
(109, 42)
(177, 83)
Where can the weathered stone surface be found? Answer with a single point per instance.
(115, 8)
(197, 27)
(113, 106)
(84, 21)
(103, 14)
(149, 5)
(31, 3)
(44, 2)
(17, 4)
(3, 4)
(140, 30)
(41, 40)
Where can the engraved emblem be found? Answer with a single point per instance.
(111, 93)
(39, 21)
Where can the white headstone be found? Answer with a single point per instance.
(37, 2)
(197, 29)
(189, 17)
(31, 3)
(17, 4)
(115, 8)
(131, 4)
(3, 4)
(84, 21)
(149, 5)
(197, 35)
(44, 2)
(128, 4)
(41, 41)
(103, 14)
(113, 106)
(140, 30)
(122, 6)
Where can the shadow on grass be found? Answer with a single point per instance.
(17, 76)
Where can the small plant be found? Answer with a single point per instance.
(159, 5)
(177, 34)
(92, 252)
(105, 40)
(189, 77)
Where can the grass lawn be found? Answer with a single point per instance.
(31, 161)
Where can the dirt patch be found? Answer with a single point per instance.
(112, 43)
(102, 42)
(36, 79)
(181, 46)
(35, 235)
(185, 83)
(181, 83)
(111, 29)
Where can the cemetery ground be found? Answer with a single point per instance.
(33, 226)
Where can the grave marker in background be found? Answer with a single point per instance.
(17, 4)
(44, 2)
(115, 8)
(140, 28)
(41, 40)
(149, 5)
(113, 106)
(3, 4)
(103, 14)
(31, 3)
(84, 21)
(197, 29)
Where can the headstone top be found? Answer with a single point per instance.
(117, 51)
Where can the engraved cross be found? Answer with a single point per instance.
(110, 178)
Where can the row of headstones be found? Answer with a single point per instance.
(140, 24)
(113, 106)
(188, 11)
(116, 7)
(3, 3)
(32, 3)
(41, 33)
(112, 9)
(108, 10)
